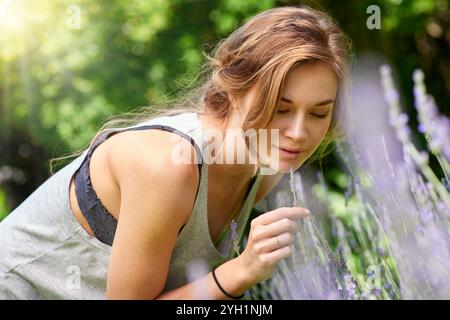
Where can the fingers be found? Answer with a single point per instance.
(274, 243)
(280, 213)
(274, 229)
(276, 255)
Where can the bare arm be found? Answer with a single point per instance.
(230, 276)
(157, 197)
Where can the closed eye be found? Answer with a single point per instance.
(282, 111)
(321, 116)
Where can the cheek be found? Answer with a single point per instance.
(322, 128)
(326, 127)
(272, 128)
(318, 134)
(316, 129)
(277, 125)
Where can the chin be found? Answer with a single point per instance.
(283, 166)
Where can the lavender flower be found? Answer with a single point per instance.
(234, 236)
(435, 127)
(392, 219)
(376, 292)
(350, 286)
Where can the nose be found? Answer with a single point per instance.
(296, 129)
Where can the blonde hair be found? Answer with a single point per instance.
(258, 55)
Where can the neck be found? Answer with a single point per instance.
(236, 174)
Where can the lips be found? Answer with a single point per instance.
(292, 150)
(290, 153)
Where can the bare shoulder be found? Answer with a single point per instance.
(144, 163)
(157, 196)
(152, 154)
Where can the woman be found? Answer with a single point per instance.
(128, 221)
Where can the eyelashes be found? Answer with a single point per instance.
(320, 116)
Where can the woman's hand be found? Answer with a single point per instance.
(270, 239)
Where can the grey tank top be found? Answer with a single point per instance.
(102, 222)
(46, 254)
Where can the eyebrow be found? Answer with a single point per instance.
(322, 103)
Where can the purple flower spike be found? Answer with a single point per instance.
(421, 128)
(376, 292)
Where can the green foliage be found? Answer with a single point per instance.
(59, 82)
(3, 207)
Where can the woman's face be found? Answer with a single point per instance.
(303, 116)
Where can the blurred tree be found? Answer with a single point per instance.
(67, 66)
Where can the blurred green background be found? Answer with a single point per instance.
(68, 65)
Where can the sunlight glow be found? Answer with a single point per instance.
(11, 16)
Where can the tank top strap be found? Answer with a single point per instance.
(102, 223)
